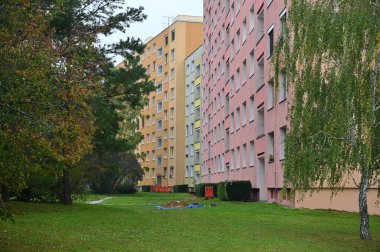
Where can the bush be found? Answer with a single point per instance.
(200, 189)
(181, 189)
(221, 190)
(42, 188)
(126, 189)
(238, 190)
(145, 188)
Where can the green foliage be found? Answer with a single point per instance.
(327, 60)
(145, 188)
(42, 188)
(181, 188)
(125, 189)
(200, 189)
(221, 190)
(238, 190)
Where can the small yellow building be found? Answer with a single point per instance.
(162, 121)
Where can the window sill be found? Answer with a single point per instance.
(262, 85)
(282, 101)
(269, 109)
(260, 136)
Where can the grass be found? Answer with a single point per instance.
(131, 223)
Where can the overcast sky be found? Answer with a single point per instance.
(158, 11)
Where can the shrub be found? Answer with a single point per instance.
(181, 189)
(145, 188)
(238, 190)
(200, 189)
(221, 190)
(42, 188)
(125, 189)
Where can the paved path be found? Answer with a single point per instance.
(98, 201)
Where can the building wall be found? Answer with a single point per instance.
(188, 37)
(233, 46)
(193, 66)
(241, 109)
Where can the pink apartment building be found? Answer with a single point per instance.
(244, 119)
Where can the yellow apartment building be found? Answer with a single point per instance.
(163, 120)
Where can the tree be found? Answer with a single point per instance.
(330, 53)
(86, 69)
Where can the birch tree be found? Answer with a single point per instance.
(330, 52)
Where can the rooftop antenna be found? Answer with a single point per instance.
(167, 22)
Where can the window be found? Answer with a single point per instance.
(159, 143)
(232, 160)
(159, 161)
(271, 40)
(148, 69)
(153, 137)
(283, 23)
(147, 173)
(166, 96)
(172, 112)
(166, 115)
(153, 155)
(270, 94)
(260, 73)
(172, 171)
(187, 90)
(192, 129)
(172, 54)
(159, 70)
(187, 129)
(187, 69)
(172, 74)
(159, 125)
(237, 119)
(172, 152)
(244, 114)
(153, 173)
(172, 94)
(244, 156)
(153, 119)
(173, 35)
(147, 138)
(283, 93)
(237, 79)
(251, 108)
(147, 121)
(187, 172)
(251, 63)
(232, 122)
(148, 51)
(153, 101)
(251, 153)
(244, 30)
(244, 73)
(282, 142)
(260, 25)
(159, 106)
(238, 41)
(154, 47)
(192, 86)
(159, 52)
(172, 133)
(166, 58)
(187, 110)
(197, 71)
(270, 147)
(192, 66)
(154, 66)
(260, 122)
(165, 134)
(237, 158)
(165, 153)
(159, 88)
(165, 172)
(147, 156)
(166, 40)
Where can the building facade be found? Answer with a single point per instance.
(193, 129)
(245, 123)
(163, 119)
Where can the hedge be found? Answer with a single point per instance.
(145, 188)
(222, 190)
(235, 190)
(200, 189)
(181, 189)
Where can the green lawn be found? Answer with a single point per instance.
(131, 223)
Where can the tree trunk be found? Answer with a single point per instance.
(5, 193)
(66, 188)
(363, 209)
